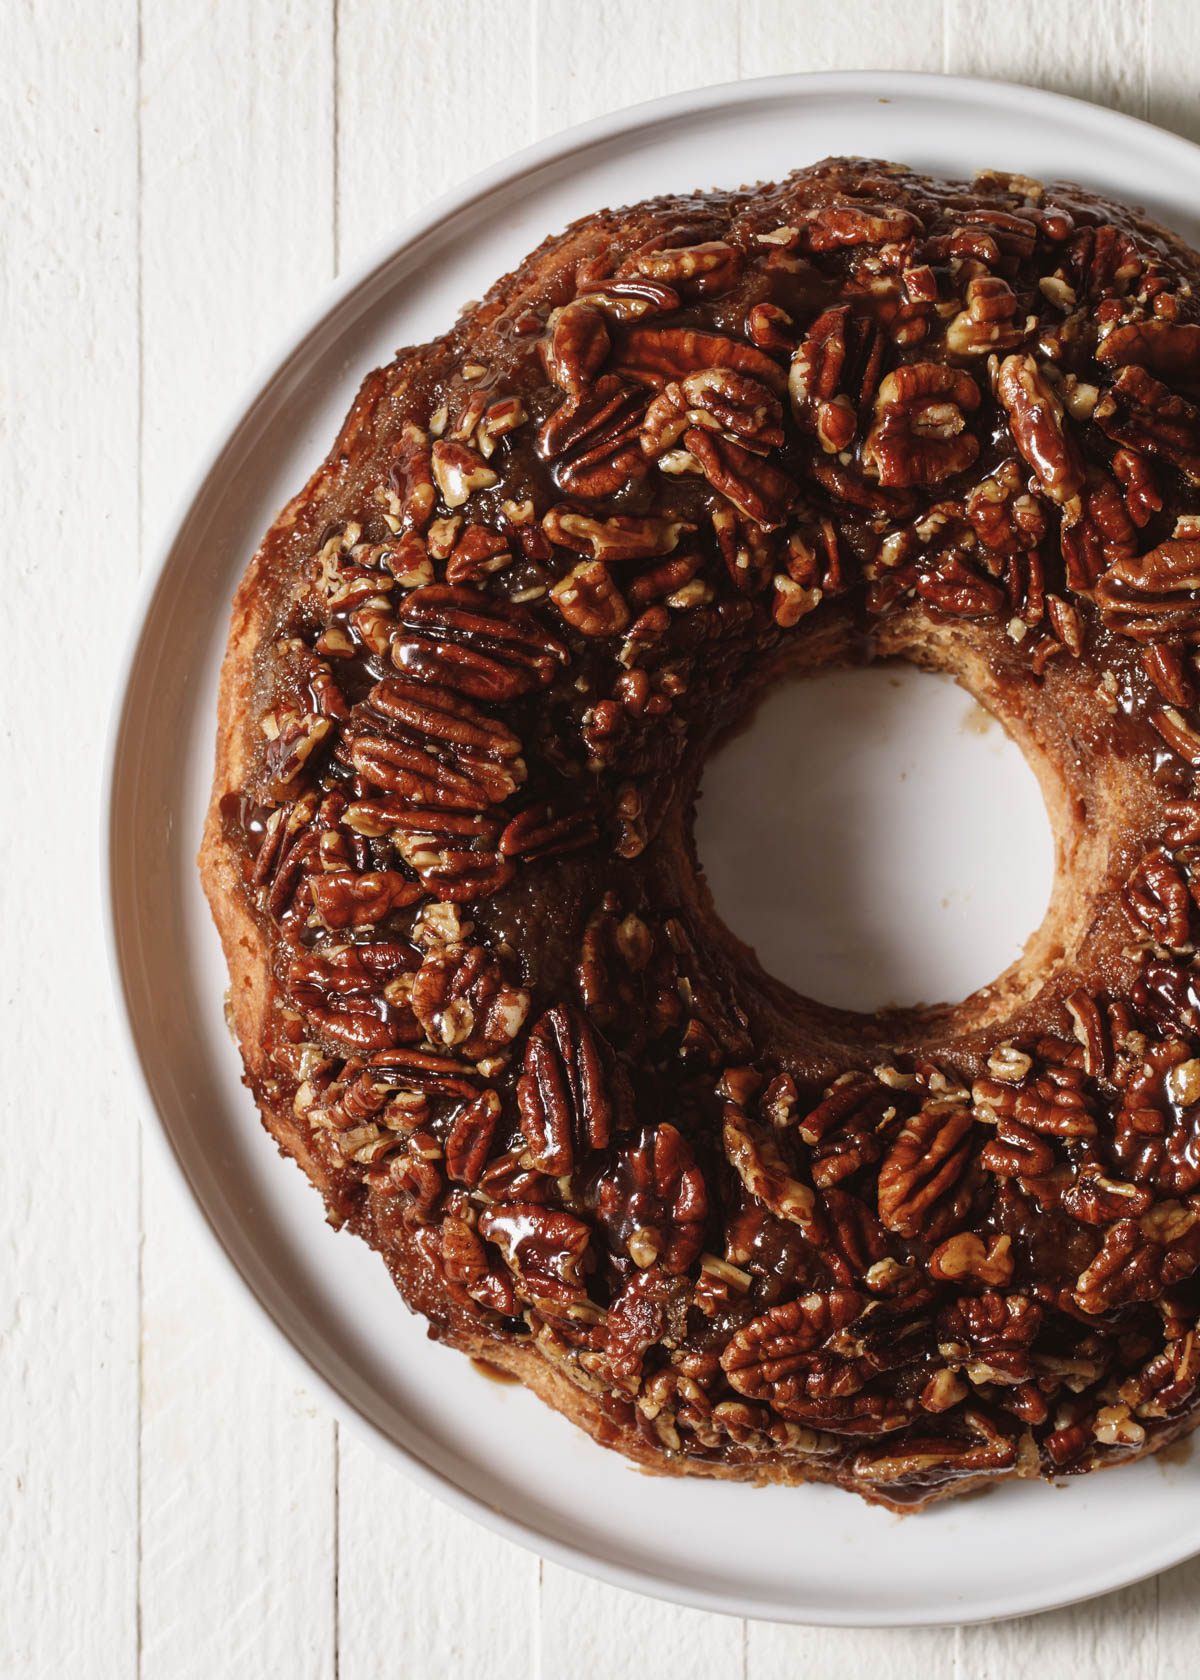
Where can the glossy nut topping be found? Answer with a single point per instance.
(554, 555)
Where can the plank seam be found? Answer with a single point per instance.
(335, 160)
(139, 270)
(337, 1548)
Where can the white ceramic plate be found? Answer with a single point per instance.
(807, 1555)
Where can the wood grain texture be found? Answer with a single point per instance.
(1172, 46)
(1093, 1641)
(587, 1628)
(778, 38)
(422, 1589)
(181, 178)
(237, 1467)
(773, 1652)
(594, 58)
(68, 487)
(1095, 50)
(426, 95)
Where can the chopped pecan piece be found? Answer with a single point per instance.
(458, 471)
(590, 601)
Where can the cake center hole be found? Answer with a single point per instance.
(876, 837)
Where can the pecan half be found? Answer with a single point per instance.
(654, 355)
(1168, 348)
(756, 1158)
(1157, 898)
(483, 648)
(789, 1358)
(463, 1001)
(543, 1247)
(1154, 595)
(756, 488)
(989, 1337)
(1036, 418)
(986, 325)
(343, 899)
(474, 762)
(621, 537)
(653, 1201)
(592, 438)
(563, 1095)
(925, 1187)
(577, 346)
(856, 221)
(707, 269)
(469, 1139)
(919, 433)
(411, 479)
(1142, 413)
(1157, 1128)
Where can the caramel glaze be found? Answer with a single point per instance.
(986, 1266)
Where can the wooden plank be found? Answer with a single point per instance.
(237, 1484)
(591, 59)
(421, 1589)
(1095, 50)
(237, 150)
(427, 95)
(1175, 1631)
(68, 486)
(589, 1629)
(1091, 1641)
(1172, 43)
(774, 1652)
(839, 36)
(238, 1492)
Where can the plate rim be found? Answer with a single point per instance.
(239, 418)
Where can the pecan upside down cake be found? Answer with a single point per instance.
(480, 988)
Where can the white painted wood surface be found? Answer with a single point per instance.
(180, 177)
